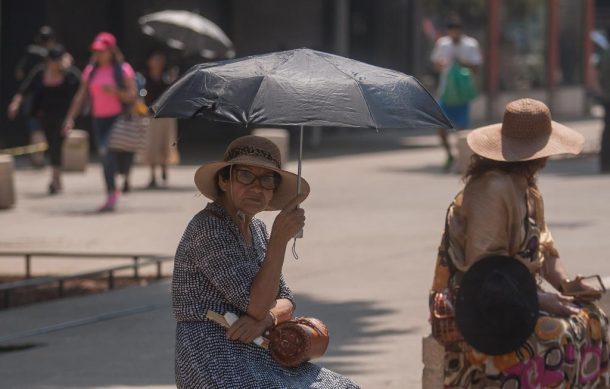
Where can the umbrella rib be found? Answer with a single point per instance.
(359, 89)
(260, 83)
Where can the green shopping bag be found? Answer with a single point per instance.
(460, 86)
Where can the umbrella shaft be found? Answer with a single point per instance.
(300, 159)
(300, 233)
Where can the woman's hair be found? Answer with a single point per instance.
(155, 51)
(117, 56)
(480, 165)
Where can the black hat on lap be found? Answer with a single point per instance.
(497, 305)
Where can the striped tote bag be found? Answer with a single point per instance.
(129, 133)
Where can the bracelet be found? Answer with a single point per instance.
(273, 318)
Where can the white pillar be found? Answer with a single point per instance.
(7, 186)
(433, 357)
(75, 152)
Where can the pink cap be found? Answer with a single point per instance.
(103, 41)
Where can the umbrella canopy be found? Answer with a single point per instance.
(188, 32)
(302, 87)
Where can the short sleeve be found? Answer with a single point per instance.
(87, 72)
(216, 252)
(474, 53)
(489, 217)
(128, 71)
(437, 52)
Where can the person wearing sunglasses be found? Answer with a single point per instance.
(227, 262)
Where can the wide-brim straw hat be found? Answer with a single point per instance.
(526, 132)
(256, 151)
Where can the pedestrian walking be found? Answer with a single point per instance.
(34, 56)
(161, 148)
(604, 83)
(226, 262)
(51, 86)
(456, 57)
(110, 83)
(500, 212)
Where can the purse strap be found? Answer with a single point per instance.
(446, 243)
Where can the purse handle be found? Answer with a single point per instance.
(309, 323)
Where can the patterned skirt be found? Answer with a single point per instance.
(562, 353)
(205, 358)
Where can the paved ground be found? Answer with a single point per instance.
(374, 221)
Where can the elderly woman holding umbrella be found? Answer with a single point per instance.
(226, 262)
(500, 212)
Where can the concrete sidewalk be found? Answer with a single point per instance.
(374, 220)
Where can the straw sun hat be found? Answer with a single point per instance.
(526, 132)
(256, 151)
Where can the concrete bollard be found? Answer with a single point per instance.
(279, 136)
(7, 186)
(75, 152)
(433, 357)
(464, 153)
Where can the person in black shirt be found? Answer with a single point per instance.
(51, 86)
(33, 56)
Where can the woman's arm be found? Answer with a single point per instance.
(76, 105)
(13, 107)
(27, 86)
(247, 328)
(128, 93)
(554, 273)
(265, 286)
(282, 311)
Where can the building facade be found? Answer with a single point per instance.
(536, 48)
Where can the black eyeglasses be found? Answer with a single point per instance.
(267, 181)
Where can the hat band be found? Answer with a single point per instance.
(251, 151)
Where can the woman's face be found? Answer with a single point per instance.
(156, 62)
(250, 198)
(102, 57)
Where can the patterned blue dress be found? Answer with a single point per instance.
(214, 268)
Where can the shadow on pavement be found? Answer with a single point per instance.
(351, 325)
(138, 349)
(586, 165)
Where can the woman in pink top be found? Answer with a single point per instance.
(110, 84)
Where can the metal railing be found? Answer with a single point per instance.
(139, 260)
